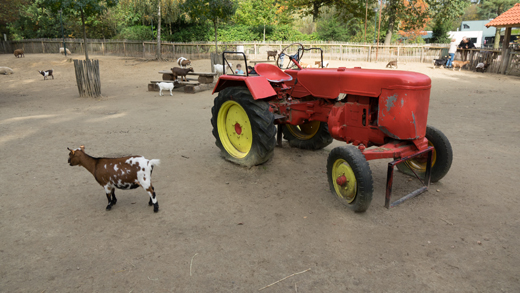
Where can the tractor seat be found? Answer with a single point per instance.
(272, 73)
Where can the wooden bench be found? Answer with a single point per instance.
(190, 86)
(204, 77)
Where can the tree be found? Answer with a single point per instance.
(493, 8)
(212, 10)
(443, 13)
(85, 8)
(311, 7)
(155, 10)
(257, 12)
(411, 14)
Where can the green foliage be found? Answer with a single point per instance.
(440, 32)
(137, 32)
(233, 33)
(493, 8)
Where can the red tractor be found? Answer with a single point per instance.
(379, 113)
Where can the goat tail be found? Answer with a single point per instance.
(155, 162)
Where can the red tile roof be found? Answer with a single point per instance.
(508, 18)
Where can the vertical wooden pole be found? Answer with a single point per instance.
(124, 48)
(43, 48)
(505, 46)
(341, 51)
(143, 50)
(255, 51)
(397, 53)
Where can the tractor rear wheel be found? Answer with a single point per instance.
(350, 178)
(313, 135)
(243, 128)
(442, 157)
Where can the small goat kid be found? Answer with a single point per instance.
(183, 62)
(122, 173)
(165, 86)
(46, 73)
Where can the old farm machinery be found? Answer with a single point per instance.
(380, 114)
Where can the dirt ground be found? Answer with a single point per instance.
(224, 228)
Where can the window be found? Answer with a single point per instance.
(466, 26)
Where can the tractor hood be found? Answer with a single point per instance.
(329, 83)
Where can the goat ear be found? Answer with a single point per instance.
(82, 147)
(69, 149)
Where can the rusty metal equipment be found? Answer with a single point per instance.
(380, 114)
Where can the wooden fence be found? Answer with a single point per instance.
(87, 77)
(257, 50)
(253, 50)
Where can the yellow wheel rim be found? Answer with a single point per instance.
(344, 180)
(304, 131)
(419, 164)
(234, 129)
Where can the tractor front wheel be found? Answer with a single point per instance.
(243, 128)
(442, 157)
(313, 135)
(350, 178)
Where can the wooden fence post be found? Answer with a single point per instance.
(255, 50)
(124, 47)
(143, 50)
(43, 48)
(341, 52)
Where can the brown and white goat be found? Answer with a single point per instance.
(183, 62)
(46, 73)
(122, 173)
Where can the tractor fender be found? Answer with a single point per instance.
(259, 86)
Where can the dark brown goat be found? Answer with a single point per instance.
(18, 53)
(122, 173)
(272, 53)
(182, 72)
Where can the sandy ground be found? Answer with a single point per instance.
(224, 228)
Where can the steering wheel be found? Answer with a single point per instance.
(298, 55)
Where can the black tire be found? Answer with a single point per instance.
(308, 137)
(356, 193)
(442, 157)
(261, 140)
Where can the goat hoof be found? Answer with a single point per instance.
(150, 202)
(109, 207)
(156, 207)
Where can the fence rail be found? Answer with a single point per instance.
(257, 50)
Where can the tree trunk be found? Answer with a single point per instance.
(84, 34)
(497, 39)
(264, 32)
(215, 27)
(388, 38)
(315, 12)
(159, 57)
(391, 23)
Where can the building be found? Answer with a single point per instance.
(475, 30)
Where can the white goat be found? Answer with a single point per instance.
(6, 70)
(62, 51)
(219, 68)
(165, 86)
